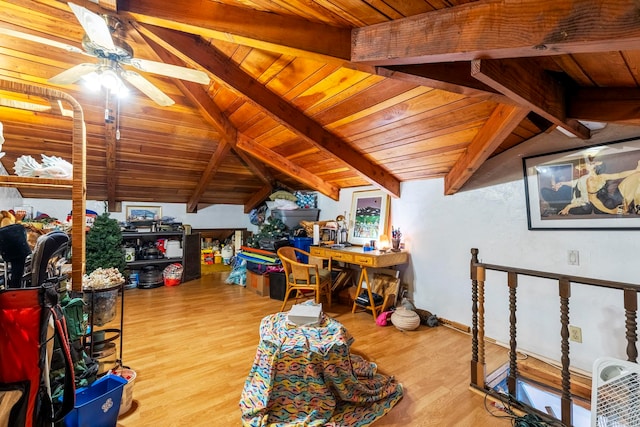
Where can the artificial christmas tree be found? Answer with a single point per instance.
(268, 232)
(104, 245)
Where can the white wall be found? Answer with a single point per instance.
(440, 231)
(9, 197)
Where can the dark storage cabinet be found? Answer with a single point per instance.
(191, 256)
(190, 259)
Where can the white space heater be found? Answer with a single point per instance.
(615, 393)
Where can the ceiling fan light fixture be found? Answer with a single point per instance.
(123, 91)
(91, 81)
(110, 80)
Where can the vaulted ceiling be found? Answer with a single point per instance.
(321, 94)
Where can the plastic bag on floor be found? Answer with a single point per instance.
(238, 275)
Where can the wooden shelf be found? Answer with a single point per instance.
(150, 234)
(28, 181)
(157, 261)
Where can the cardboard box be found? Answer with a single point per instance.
(259, 283)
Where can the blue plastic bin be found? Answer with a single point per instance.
(97, 405)
(303, 243)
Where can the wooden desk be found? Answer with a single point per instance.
(355, 255)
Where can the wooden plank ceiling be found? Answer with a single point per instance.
(321, 94)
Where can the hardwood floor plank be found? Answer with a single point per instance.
(192, 347)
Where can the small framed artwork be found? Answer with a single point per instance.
(144, 213)
(369, 216)
(596, 187)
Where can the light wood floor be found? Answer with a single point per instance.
(192, 346)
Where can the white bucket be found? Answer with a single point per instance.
(127, 391)
(129, 254)
(227, 253)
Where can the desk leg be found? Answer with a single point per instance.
(364, 277)
(358, 290)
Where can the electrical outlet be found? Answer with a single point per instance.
(573, 256)
(575, 334)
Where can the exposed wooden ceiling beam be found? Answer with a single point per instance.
(604, 104)
(210, 111)
(111, 5)
(209, 172)
(286, 166)
(213, 115)
(245, 26)
(258, 197)
(503, 120)
(450, 76)
(258, 168)
(192, 50)
(530, 86)
(500, 29)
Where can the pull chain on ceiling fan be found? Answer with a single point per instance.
(112, 55)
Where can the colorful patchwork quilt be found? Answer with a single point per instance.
(306, 376)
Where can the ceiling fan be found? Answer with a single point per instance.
(112, 54)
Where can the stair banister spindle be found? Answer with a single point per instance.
(565, 406)
(631, 324)
(482, 364)
(476, 379)
(512, 279)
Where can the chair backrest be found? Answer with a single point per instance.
(14, 249)
(296, 272)
(48, 246)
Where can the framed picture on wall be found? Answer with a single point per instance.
(369, 216)
(596, 187)
(144, 213)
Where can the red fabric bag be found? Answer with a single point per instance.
(29, 320)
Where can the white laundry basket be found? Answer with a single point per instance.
(127, 391)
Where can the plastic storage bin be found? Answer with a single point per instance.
(292, 218)
(97, 405)
(303, 243)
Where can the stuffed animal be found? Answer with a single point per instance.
(7, 218)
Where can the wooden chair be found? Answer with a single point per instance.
(302, 277)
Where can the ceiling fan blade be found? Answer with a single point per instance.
(95, 26)
(169, 70)
(38, 39)
(146, 87)
(73, 74)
